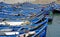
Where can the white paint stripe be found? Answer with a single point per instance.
(11, 33)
